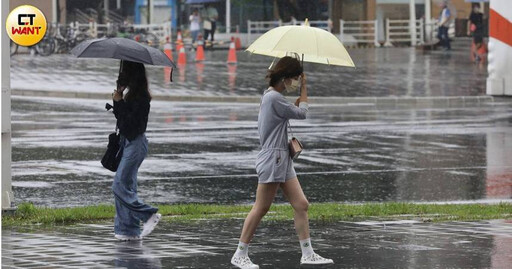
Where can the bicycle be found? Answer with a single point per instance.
(59, 43)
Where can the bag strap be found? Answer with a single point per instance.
(290, 127)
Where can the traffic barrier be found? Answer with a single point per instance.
(168, 49)
(232, 52)
(182, 57)
(200, 49)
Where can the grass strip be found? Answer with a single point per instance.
(28, 214)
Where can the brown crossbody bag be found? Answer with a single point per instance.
(294, 145)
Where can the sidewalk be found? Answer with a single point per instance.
(210, 244)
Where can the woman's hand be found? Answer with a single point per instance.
(120, 89)
(303, 89)
(118, 93)
(303, 80)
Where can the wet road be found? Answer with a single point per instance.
(205, 153)
(210, 244)
(380, 72)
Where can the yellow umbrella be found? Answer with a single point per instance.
(314, 44)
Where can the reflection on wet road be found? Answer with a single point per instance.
(210, 244)
(379, 72)
(202, 152)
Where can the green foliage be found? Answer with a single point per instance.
(28, 214)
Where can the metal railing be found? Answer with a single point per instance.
(396, 31)
(400, 31)
(95, 30)
(359, 31)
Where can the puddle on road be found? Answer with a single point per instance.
(205, 155)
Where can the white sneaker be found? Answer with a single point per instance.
(150, 224)
(127, 237)
(243, 262)
(315, 259)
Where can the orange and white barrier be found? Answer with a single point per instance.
(168, 49)
(232, 52)
(182, 57)
(200, 49)
(499, 81)
(179, 41)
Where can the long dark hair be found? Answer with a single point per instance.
(133, 76)
(286, 67)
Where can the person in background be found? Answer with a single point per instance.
(444, 22)
(475, 25)
(194, 20)
(210, 21)
(476, 21)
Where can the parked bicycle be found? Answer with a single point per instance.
(58, 43)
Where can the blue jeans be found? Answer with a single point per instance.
(130, 211)
(194, 35)
(442, 34)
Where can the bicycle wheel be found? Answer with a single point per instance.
(14, 48)
(46, 46)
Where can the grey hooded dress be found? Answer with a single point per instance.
(273, 163)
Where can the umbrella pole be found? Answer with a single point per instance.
(302, 62)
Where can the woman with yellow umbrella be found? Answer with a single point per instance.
(274, 163)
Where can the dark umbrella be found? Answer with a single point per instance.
(122, 49)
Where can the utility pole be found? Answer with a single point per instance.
(105, 5)
(7, 194)
(151, 11)
(228, 16)
(55, 11)
(412, 21)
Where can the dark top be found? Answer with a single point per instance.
(477, 19)
(132, 117)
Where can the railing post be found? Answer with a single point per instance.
(249, 29)
(388, 34)
(375, 33)
(422, 31)
(341, 29)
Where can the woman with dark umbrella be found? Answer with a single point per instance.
(131, 109)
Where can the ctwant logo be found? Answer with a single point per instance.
(26, 25)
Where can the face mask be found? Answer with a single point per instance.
(294, 85)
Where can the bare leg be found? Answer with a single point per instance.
(264, 198)
(293, 192)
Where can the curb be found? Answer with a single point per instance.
(398, 102)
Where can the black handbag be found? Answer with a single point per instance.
(114, 152)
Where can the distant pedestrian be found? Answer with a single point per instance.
(210, 17)
(476, 21)
(475, 25)
(274, 165)
(194, 20)
(131, 111)
(444, 23)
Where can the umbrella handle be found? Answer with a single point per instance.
(172, 69)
